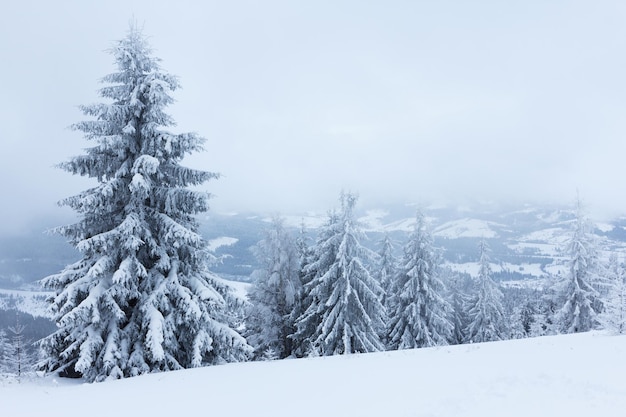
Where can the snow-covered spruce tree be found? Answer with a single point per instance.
(18, 359)
(526, 318)
(301, 339)
(419, 314)
(4, 350)
(344, 314)
(457, 296)
(543, 319)
(141, 298)
(273, 294)
(613, 318)
(486, 314)
(386, 267)
(579, 302)
(543, 303)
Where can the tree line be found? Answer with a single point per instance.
(334, 296)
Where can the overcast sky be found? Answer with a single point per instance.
(400, 101)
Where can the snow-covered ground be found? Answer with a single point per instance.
(31, 302)
(573, 375)
(467, 228)
(472, 268)
(216, 243)
(308, 221)
(240, 289)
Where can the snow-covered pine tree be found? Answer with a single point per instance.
(518, 321)
(526, 316)
(386, 267)
(542, 302)
(419, 316)
(486, 314)
(457, 296)
(273, 294)
(18, 359)
(613, 318)
(4, 349)
(141, 298)
(579, 301)
(302, 245)
(306, 326)
(344, 313)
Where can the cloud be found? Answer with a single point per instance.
(402, 101)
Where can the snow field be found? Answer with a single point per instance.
(31, 302)
(569, 375)
(215, 244)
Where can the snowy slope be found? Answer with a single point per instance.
(31, 302)
(531, 270)
(574, 375)
(467, 228)
(216, 243)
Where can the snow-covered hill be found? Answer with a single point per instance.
(573, 375)
(30, 302)
(467, 227)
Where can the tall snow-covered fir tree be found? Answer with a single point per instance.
(486, 314)
(141, 298)
(273, 294)
(419, 314)
(579, 302)
(344, 313)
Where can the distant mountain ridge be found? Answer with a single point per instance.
(526, 241)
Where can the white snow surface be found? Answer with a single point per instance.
(404, 225)
(308, 220)
(31, 302)
(372, 221)
(240, 289)
(218, 242)
(605, 227)
(467, 228)
(572, 375)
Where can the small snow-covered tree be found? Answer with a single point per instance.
(613, 318)
(387, 266)
(18, 358)
(485, 314)
(458, 299)
(419, 314)
(520, 321)
(141, 298)
(386, 269)
(344, 314)
(579, 301)
(4, 350)
(526, 316)
(542, 303)
(273, 294)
